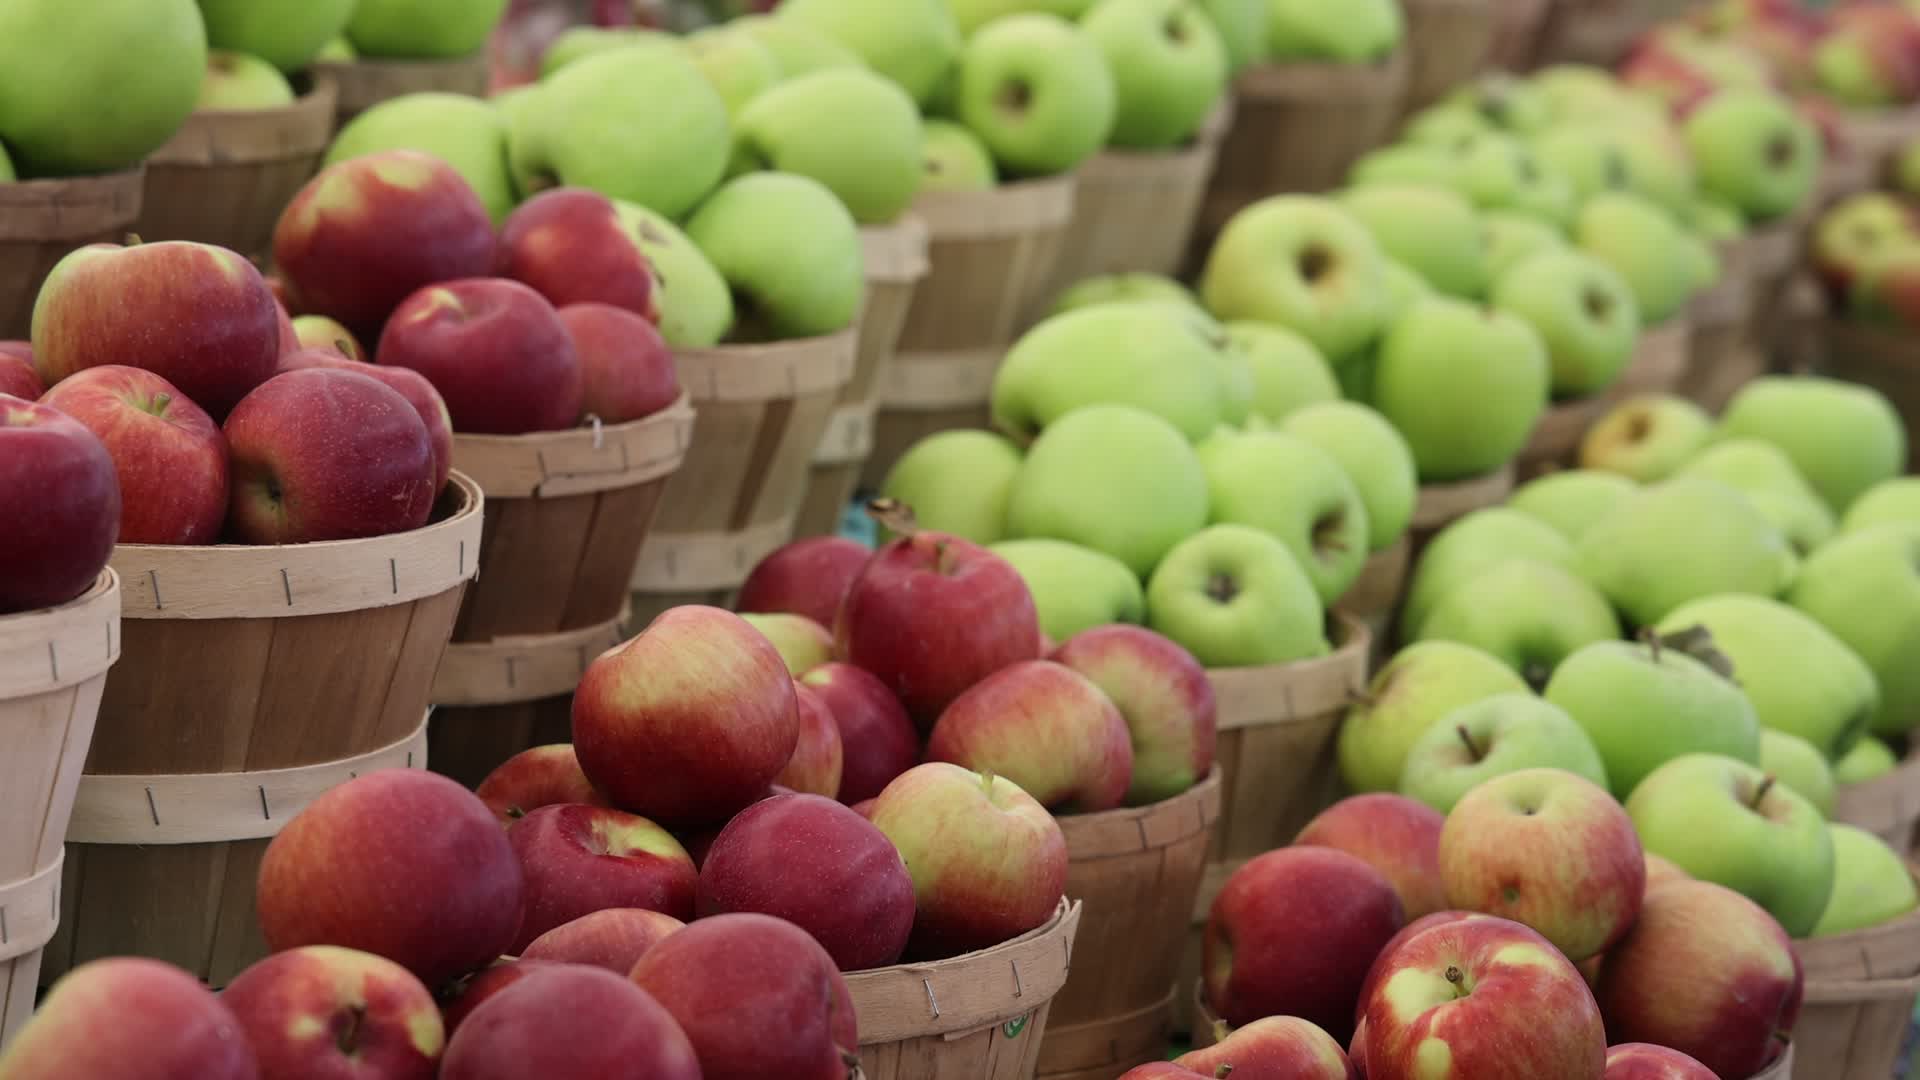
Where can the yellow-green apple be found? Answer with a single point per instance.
(750, 230)
(497, 352)
(1319, 30)
(236, 82)
(1513, 238)
(1279, 1046)
(954, 159)
(1431, 230)
(818, 756)
(570, 1022)
(1074, 588)
(1303, 262)
(1495, 737)
(168, 455)
(325, 1011)
(849, 128)
(1126, 286)
(1583, 311)
(815, 863)
(739, 68)
(803, 643)
(400, 863)
(1571, 500)
(1751, 465)
(1472, 545)
(1865, 589)
(696, 308)
(626, 367)
(688, 722)
(1856, 232)
(1465, 385)
(1754, 150)
(467, 133)
(1407, 163)
(1794, 762)
(1289, 374)
(1645, 1061)
(17, 375)
(287, 35)
(104, 304)
(1398, 836)
(1451, 1000)
(327, 454)
(1869, 759)
(1318, 515)
(1679, 540)
(878, 740)
(1158, 357)
(1234, 596)
(423, 29)
(1165, 698)
(1890, 502)
(1641, 241)
(1647, 437)
(1169, 68)
(1047, 728)
(426, 401)
(1038, 91)
(957, 482)
(913, 42)
(577, 860)
(1843, 437)
(931, 615)
(570, 245)
(55, 473)
(988, 862)
(125, 1017)
(806, 577)
(1706, 972)
(1531, 614)
(327, 335)
(614, 938)
(1497, 170)
(1800, 677)
(1422, 683)
(799, 49)
(1871, 883)
(1725, 821)
(1374, 456)
(368, 232)
(1292, 933)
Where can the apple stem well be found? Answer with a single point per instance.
(1223, 588)
(1760, 793)
(347, 1037)
(1225, 1070)
(1466, 737)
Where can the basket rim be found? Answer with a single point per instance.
(541, 463)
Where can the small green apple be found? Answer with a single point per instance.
(1074, 588)
(848, 128)
(7, 175)
(1288, 372)
(1871, 883)
(1154, 356)
(1844, 438)
(1407, 163)
(1234, 596)
(1038, 92)
(1803, 519)
(1492, 737)
(971, 15)
(1531, 614)
(1376, 458)
(1505, 101)
(1317, 514)
(1338, 30)
(912, 42)
(957, 482)
(1640, 241)
(1589, 158)
(695, 302)
(790, 251)
(738, 67)
(1243, 30)
(1870, 759)
(337, 51)
(1571, 500)
(1865, 589)
(1169, 68)
(1890, 502)
(1471, 545)
(579, 42)
(288, 34)
(1715, 220)
(954, 159)
(1513, 238)
(1499, 171)
(1445, 125)
(236, 82)
(1679, 540)
(1421, 684)
(1301, 262)
(423, 29)
(1799, 766)
(1755, 150)
(1584, 312)
(1660, 168)
(1432, 231)
(1647, 437)
(1464, 384)
(465, 132)
(1122, 288)
(799, 49)
(1752, 465)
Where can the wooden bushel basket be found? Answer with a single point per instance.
(225, 177)
(1440, 505)
(1376, 594)
(1137, 871)
(1860, 992)
(1599, 32)
(979, 1016)
(1874, 135)
(896, 260)
(42, 220)
(738, 493)
(53, 668)
(367, 82)
(1723, 357)
(1555, 441)
(251, 680)
(1449, 42)
(1886, 806)
(1885, 358)
(1518, 26)
(990, 255)
(1659, 361)
(566, 514)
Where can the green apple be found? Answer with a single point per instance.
(1471, 545)
(1570, 501)
(1890, 502)
(1445, 125)
(1074, 588)
(1703, 262)
(1376, 458)
(1801, 678)
(912, 42)
(1464, 384)
(1243, 30)
(1114, 478)
(579, 42)
(1660, 168)
(1530, 614)
(423, 29)
(1505, 101)
(1344, 31)
(1150, 355)
(739, 68)
(1492, 737)
(789, 250)
(1571, 88)
(7, 175)
(1752, 465)
(1679, 540)
(1431, 230)
(1234, 596)
(848, 128)
(1584, 312)
(1302, 262)
(1123, 288)
(1645, 703)
(1169, 68)
(971, 15)
(1755, 150)
(236, 82)
(1728, 822)
(337, 51)
(465, 132)
(1865, 589)
(1317, 513)
(1288, 372)
(1799, 766)
(1513, 238)
(799, 49)
(1871, 883)
(954, 159)
(1843, 437)
(1715, 220)
(1589, 158)
(957, 482)
(1640, 241)
(1407, 163)
(672, 140)
(1647, 437)
(1421, 684)
(1038, 92)
(1499, 171)
(288, 34)
(1803, 519)
(695, 302)
(1870, 759)
(96, 87)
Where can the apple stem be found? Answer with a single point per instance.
(133, 240)
(1221, 1029)
(1225, 1070)
(1759, 793)
(1466, 737)
(161, 401)
(1651, 638)
(893, 515)
(987, 778)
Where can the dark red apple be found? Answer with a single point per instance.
(534, 778)
(806, 577)
(60, 503)
(495, 350)
(877, 740)
(469, 993)
(328, 1013)
(614, 939)
(570, 1023)
(411, 384)
(577, 860)
(570, 244)
(626, 366)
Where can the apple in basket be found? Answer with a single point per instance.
(878, 741)
(327, 335)
(17, 377)
(571, 245)
(806, 577)
(1398, 836)
(327, 1011)
(626, 367)
(55, 474)
(411, 384)
(125, 1017)
(803, 643)
(1645, 1061)
(497, 352)
(614, 939)
(577, 860)
(1165, 698)
(1048, 729)
(537, 777)
(461, 998)
(1276, 1046)
(818, 757)
(570, 1023)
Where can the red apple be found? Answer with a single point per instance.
(1165, 697)
(877, 740)
(368, 232)
(613, 939)
(168, 455)
(1277, 1046)
(17, 376)
(400, 863)
(822, 867)
(494, 349)
(327, 1013)
(577, 860)
(1161, 1070)
(570, 244)
(1398, 836)
(289, 337)
(570, 1023)
(1292, 933)
(1378, 969)
(60, 502)
(469, 993)
(1548, 849)
(1707, 972)
(1644, 1061)
(534, 778)
(1478, 999)
(806, 577)
(865, 807)
(1045, 727)
(757, 996)
(932, 615)
(411, 385)
(818, 757)
(690, 721)
(327, 335)
(199, 316)
(626, 366)
(803, 643)
(321, 454)
(988, 862)
(121, 1018)
(1661, 871)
